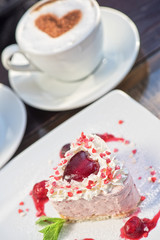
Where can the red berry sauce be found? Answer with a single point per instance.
(79, 167)
(39, 195)
(136, 228)
(110, 137)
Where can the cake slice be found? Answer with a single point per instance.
(90, 183)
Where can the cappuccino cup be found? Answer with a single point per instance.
(61, 38)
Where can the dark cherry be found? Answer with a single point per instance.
(64, 149)
(79, 167)
(134, 228)
(39, 191)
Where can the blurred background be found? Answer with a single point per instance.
(10, 13)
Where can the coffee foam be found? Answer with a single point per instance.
(30, 38)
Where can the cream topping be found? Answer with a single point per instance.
(111, 172)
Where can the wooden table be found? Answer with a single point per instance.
(142, 83)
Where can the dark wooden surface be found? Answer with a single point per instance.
(142, 83)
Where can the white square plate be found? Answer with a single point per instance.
(34, 164)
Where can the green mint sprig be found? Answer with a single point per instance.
(52, 228)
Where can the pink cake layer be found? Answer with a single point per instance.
(120, 202)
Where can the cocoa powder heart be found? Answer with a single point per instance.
(54, 26)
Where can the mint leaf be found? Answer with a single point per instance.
(53, 228)
(52, 231)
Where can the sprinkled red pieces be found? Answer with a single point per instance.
(108, 153)
(64, 161)
(54, 184)
(57, 172)
(51, 191)
(110, 176)
(108, 170)
(153, 172)
(127, 142)
(90, 182)
(134, 151)
(91, 139)
(102, 155)
(103, 175)
(67, 154)
(108, 160)
(51, 176)
(70, 194)
(94, 150)
(120, 122)
(87, 145)
(115, 150)
(117, 167)
(109, 173)
(119, 176)
(106, 181)
(139, 178)
(79, 191)
(89, 187)
(82, 139)
(56, 178)
(142, 198)
(20, 210)
(153, 179)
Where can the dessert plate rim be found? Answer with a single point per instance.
(116, 63)
(13, 127)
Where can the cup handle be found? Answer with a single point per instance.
(6, 58)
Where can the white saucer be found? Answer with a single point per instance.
(12, 123)
(121, 46)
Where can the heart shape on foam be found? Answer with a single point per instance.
(54, 26)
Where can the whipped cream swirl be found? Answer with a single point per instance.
(111, 172)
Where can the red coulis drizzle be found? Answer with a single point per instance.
(39, 195)
(110, 137)
(105, 136)
(136, 228)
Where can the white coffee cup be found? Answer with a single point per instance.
(69, 57)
